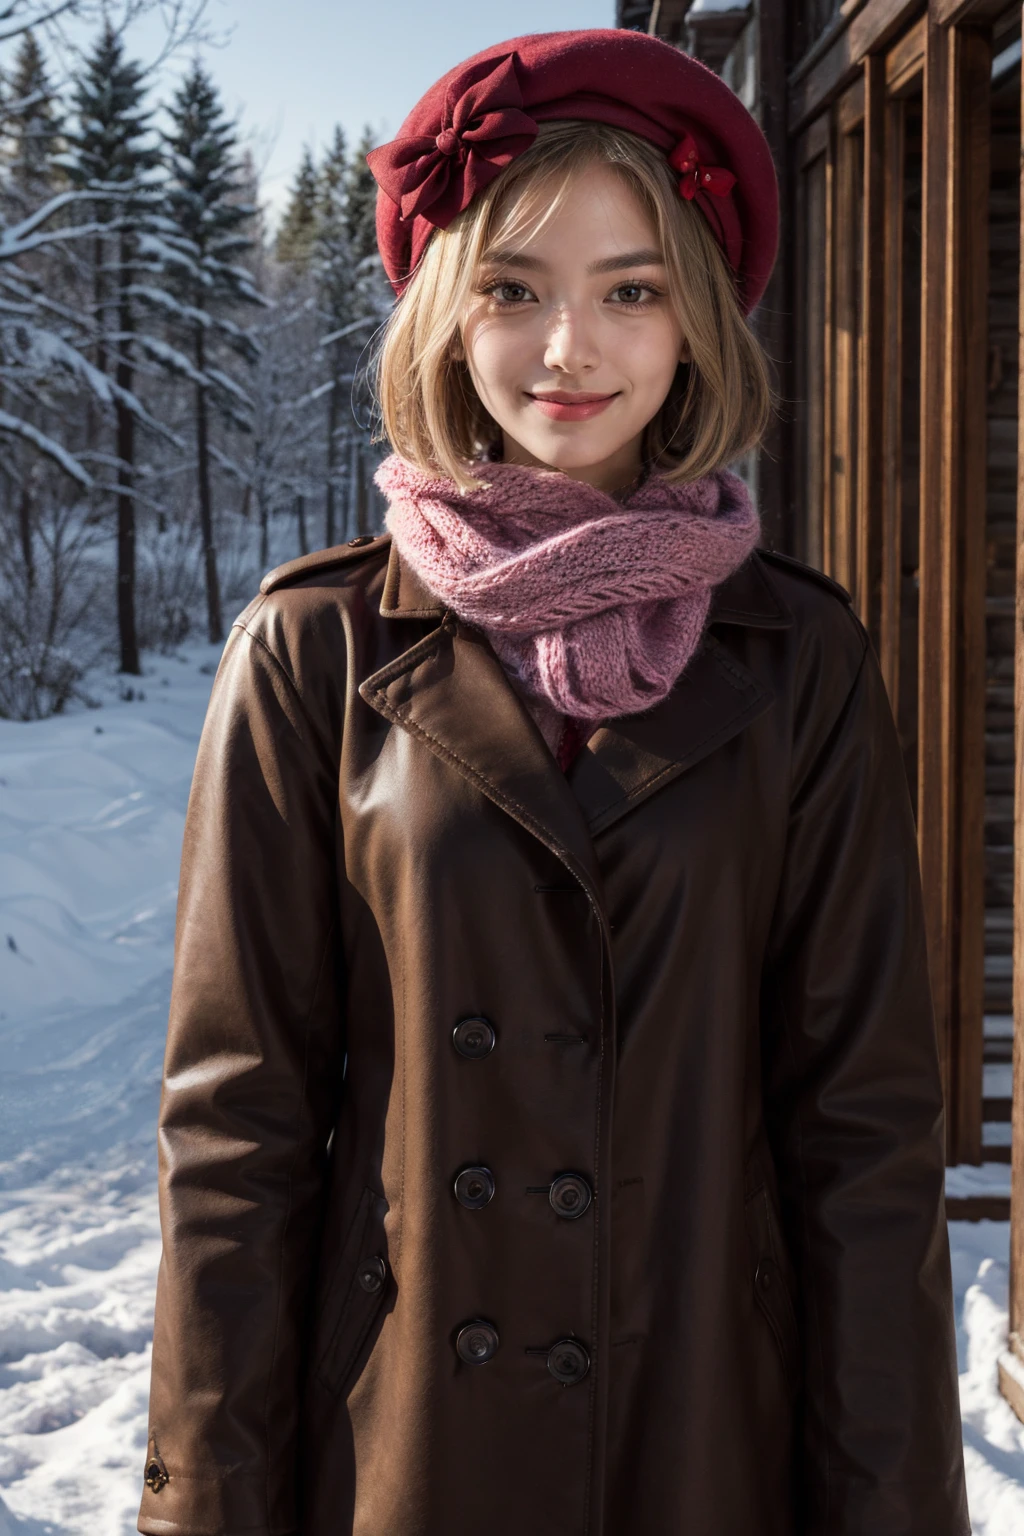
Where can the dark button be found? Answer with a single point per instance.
(474, 1187)
(569, 1195)
(568, 1362)
(476, 1342)
(156, 1476)
(362, 538)
(766, 1274)
(372, 1274)
(473, 1038)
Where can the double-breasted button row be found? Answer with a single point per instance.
(477, 1342)
(569, 1195)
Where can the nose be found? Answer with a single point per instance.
(570, 343)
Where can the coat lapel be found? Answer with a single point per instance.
(715, 698)
(450, 690)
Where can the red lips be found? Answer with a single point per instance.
(571, 405)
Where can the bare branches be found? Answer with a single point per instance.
(20, 16)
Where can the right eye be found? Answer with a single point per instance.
(494, 288)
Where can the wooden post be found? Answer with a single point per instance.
(936, 634)
(965, 478)
(847, 264)
(828, 541)
(891, 483)
(1011, 1366)
(773, 318)
(871, 414)
(951, 673)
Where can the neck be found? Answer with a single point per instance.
(616, 475)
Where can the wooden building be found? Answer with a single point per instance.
(894, 321)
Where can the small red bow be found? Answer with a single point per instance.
(483, 128)
(694, 177)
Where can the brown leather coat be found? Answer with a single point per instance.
(549, 1154)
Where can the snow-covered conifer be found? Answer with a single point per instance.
(113, 156)
(353, 298)
(31, 129)
(207, 234)
(297, 230)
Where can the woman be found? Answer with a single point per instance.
(551, 1136)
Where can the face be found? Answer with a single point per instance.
(571, 341)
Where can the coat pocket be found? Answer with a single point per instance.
(355, 1295)
(773, 1281)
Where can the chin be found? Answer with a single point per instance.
(561, 454)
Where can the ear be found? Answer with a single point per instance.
(685, 355)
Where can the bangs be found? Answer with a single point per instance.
(524, 203)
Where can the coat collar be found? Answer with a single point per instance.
(449, 689)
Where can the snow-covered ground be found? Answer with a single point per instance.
(91, 812)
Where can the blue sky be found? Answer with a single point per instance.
(293, 68)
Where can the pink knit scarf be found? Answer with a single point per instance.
(594, 605)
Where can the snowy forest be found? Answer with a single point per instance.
(184, 393)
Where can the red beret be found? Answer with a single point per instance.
(483, 113)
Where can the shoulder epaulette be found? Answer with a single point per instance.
(800, 568)
(323, 559)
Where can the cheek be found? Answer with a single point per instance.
(652, 355)
(494, 356)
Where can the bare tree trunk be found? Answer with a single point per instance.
(264, 512)
(126, 479)
(332, 448)
(351, 510)
(362, 509)
(214, 623)
(300, 517)
(92, 423)
(25, 535)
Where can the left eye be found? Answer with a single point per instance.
(646, 295)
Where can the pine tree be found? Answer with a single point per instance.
(361, 203)
(352, 297)
(298, 227)
(369, 302)
(333, 267)
(113, 156)
(207, 231)
(31, 127)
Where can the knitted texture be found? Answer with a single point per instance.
(594, 605)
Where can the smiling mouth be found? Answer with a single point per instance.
(569, 397)
(564, 406)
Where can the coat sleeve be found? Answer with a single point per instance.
(853, 1101)
(252, 1067)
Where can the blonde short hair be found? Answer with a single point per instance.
(717, 407)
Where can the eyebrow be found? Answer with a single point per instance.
(643, 258)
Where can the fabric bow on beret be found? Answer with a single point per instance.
(473, 122)
(483, 128)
